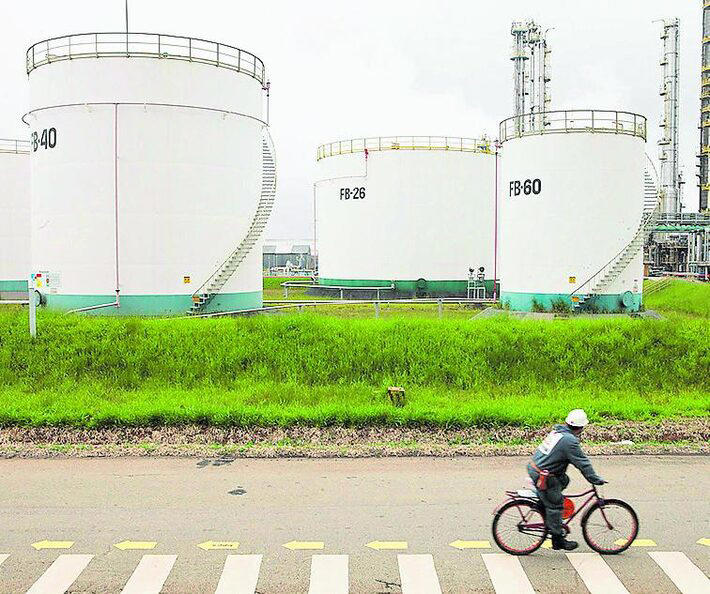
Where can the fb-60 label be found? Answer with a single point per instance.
(352, 193)
(46, 139)
(525, 187)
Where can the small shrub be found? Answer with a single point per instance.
(537, 306)
(560, 305)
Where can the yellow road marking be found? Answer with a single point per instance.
(136, 545)
(470, 544)
(297, 545)
(639, 542)
(547, 544)
(53, 544)
(704, 541)
(211, 545)
(387, 545)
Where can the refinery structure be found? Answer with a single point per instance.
(150, 175)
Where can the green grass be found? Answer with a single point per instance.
(320, 370)
(682, 297)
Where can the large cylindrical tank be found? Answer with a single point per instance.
(14, 218)
(414, 213)
(572, 220)
(146, 165)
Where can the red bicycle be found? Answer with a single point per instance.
(609, 526)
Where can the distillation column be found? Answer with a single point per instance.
(668, 142)
(704, 156)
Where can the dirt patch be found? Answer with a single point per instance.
(672, 437)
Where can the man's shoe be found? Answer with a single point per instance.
(559, 543)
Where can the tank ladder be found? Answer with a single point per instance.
(601, 279)
(214, 284)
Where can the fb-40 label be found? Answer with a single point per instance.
(46, 139)
(352, 193)
(525, 187)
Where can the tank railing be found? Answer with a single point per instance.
(145, 45)
(574, 120)
(20, 147)
(411, 143)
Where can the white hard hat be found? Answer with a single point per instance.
(577, 418)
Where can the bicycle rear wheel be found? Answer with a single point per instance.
(610, 526)
(519, 527)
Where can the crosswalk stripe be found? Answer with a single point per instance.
(507, 574)
(2, 558)
(329, 574)
(60, 575)
(596, 574)
(418, 574)
(150, 574)
(683, 572)
(240, 574)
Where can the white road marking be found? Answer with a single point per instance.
(329, 574)
(150, 574)
(418, 574)
(507, 574)
(683, 572)
(61, 574)
(240, 574)
(2, 558)
(596, 574)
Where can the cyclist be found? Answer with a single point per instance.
(548, 467)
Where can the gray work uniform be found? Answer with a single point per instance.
(559, 449)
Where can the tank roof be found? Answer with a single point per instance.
(410, 143)
(574, 121)
(144, 45)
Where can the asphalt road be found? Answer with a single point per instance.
(172, 505)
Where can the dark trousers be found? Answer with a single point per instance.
(553, 501)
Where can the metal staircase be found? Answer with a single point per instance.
(214, 284)
(601, 279)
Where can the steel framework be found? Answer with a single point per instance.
(531, 72)
(704, 155)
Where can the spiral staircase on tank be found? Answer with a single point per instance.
(214, 284)
(600, 280)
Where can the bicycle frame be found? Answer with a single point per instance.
(593, 496)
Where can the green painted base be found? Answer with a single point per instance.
(154, 305)
(560, 301)
(13, 286)
(410, 287)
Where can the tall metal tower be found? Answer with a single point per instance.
(670, 179)
(704, 156)
(531, 74)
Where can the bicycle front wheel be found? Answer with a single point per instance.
(519, 527)
(610, 526)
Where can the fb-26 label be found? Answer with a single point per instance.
(352, 193)
(46, 139)
(525, 187)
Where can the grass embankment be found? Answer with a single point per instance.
(680, 296)
(93, 372)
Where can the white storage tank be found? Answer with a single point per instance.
(408, 214)
(152, 173)
(14, 219)
(572, 218)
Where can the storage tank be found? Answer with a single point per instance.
(152, 173)
(572, 218)
(405, 215)
(14, 219)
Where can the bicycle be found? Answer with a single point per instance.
(609, 526)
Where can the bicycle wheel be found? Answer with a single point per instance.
(610, 526)
(519, 527)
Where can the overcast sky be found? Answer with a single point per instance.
(386, 67)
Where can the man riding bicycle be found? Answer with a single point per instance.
(548, 471)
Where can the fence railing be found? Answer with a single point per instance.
(144, 45)
(14, 146)
(574, 120)
(411, 143)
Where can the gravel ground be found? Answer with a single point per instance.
(680, 436)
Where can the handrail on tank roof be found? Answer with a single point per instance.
(144, 45)
(409, 143)
(9, 145)
(574, 121)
